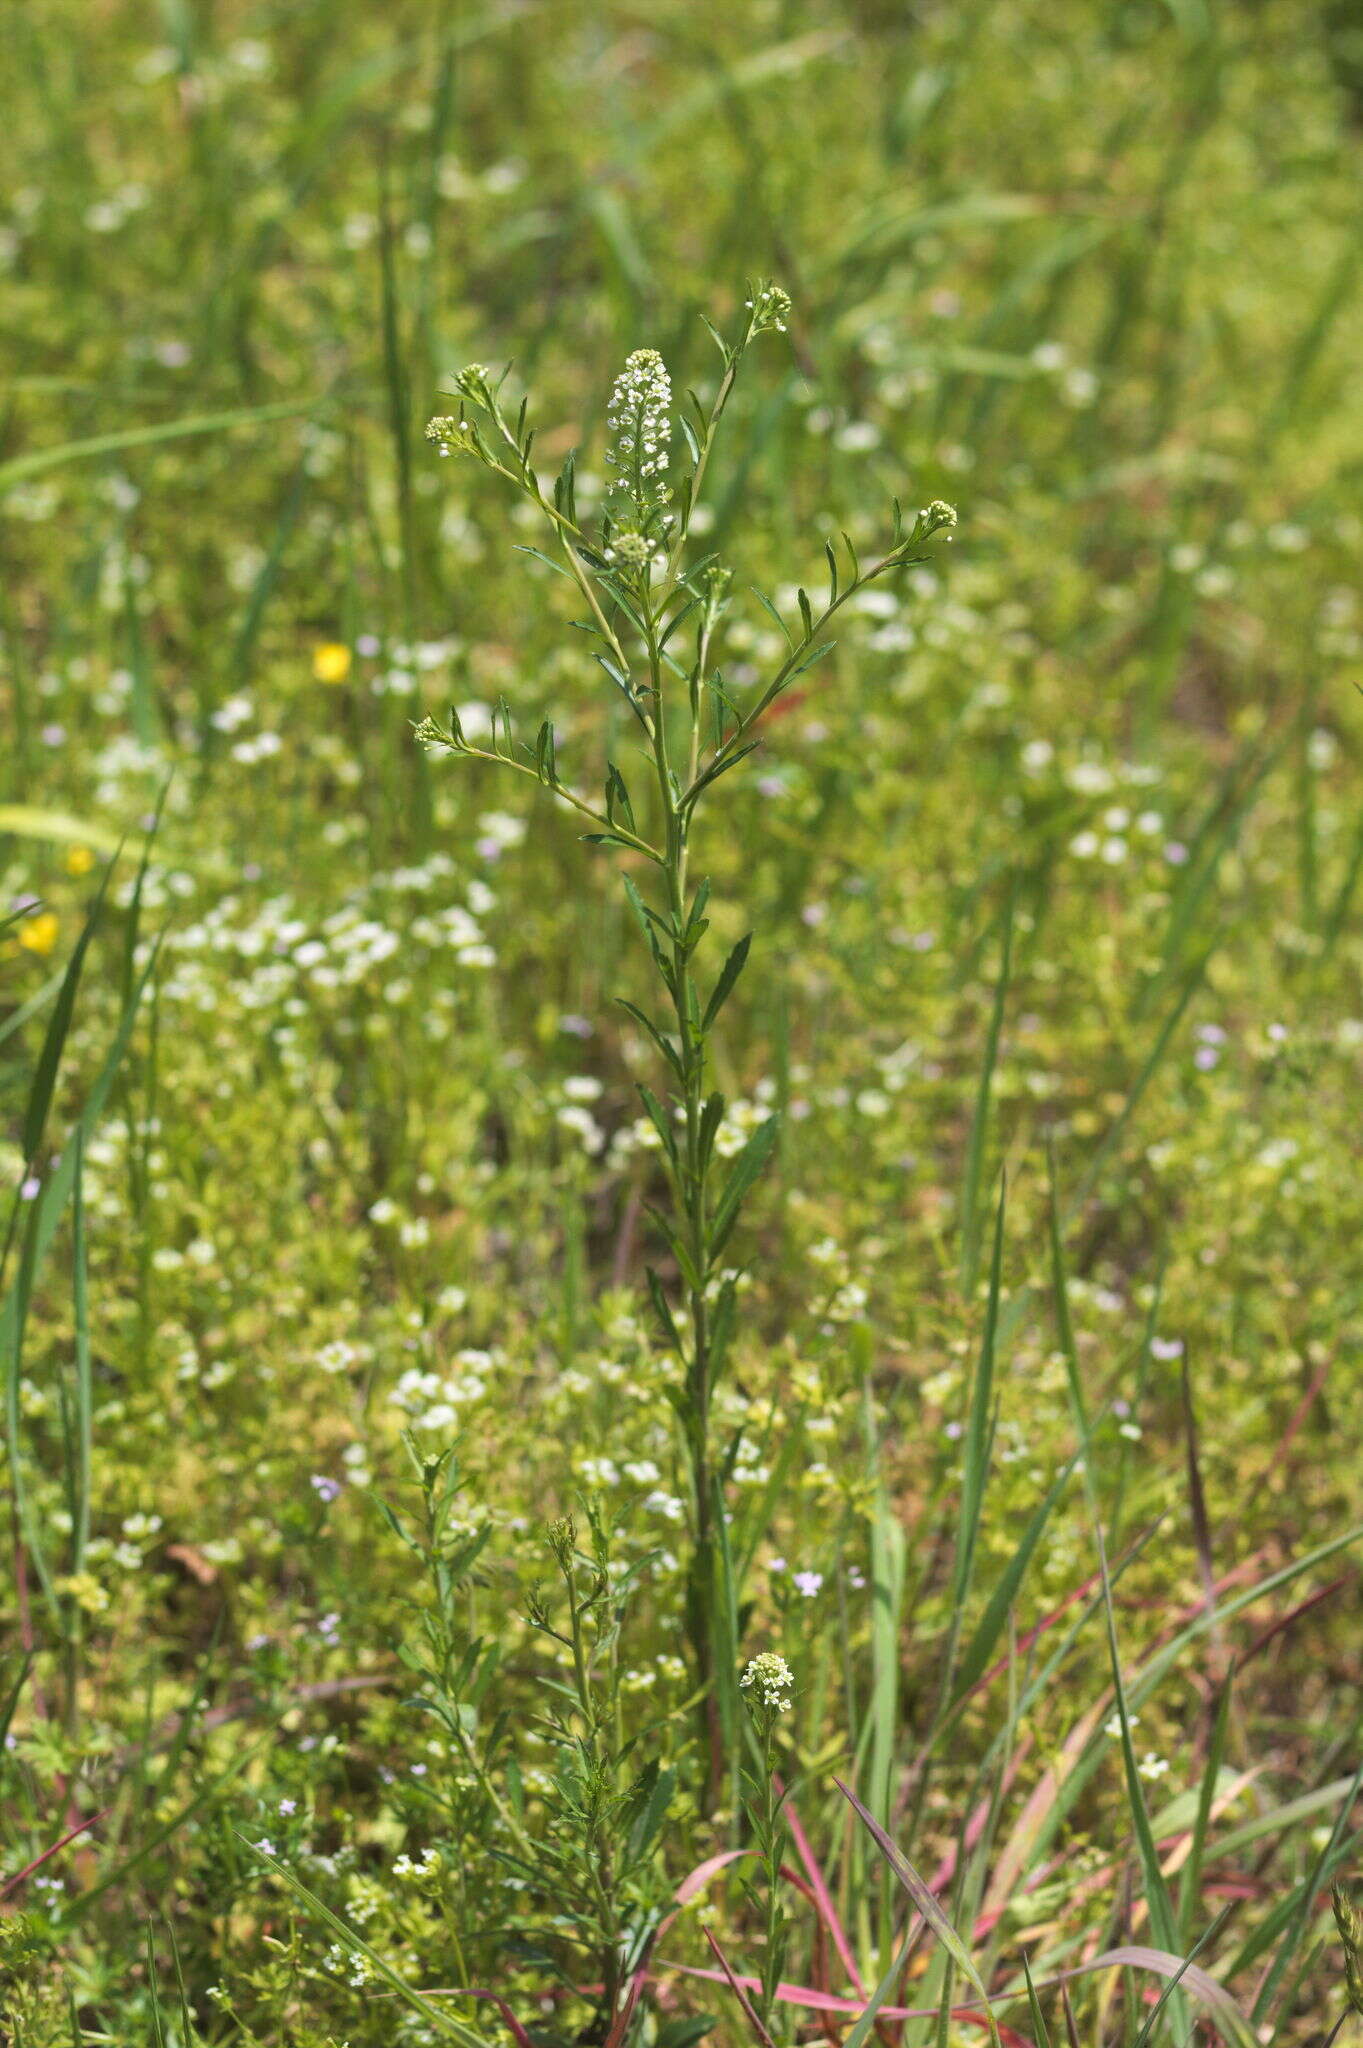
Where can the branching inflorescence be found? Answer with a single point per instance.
(640, 592)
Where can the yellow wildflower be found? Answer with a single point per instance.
(39, 934)
(331, 662)
(79, 860)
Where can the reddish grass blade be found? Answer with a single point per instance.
(739, 1989)
(806, 1997)
(823, 1899)
(12, 1884)
(1293, 1614)
(513, 2025)
(697, 1879)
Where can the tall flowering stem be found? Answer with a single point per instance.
(640, 592)
(766, 1687)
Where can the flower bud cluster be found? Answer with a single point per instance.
(475, 382)
(630, 551)
(770, 308)
(450, 435)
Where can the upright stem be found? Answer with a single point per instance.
(693, 1206)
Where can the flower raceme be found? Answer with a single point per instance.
(770, 1679)
(640, 420)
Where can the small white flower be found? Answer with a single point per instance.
(772, 1679)
(639, 417)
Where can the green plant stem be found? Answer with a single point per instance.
(692, 1194)
(771, 1845)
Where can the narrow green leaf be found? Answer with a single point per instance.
(1190, 1881)
(974, 1158)
(729, 974)
(438, 2020)
(976, 1657)
(30, 821)
(923, 1899)
(21, 467)
(49, 1059)
(770, 609)
(747, 1167)
(979, 1425)
(1163, 1922)
(663, 1044)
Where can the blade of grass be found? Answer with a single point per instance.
(416, 2001)
(975, 1658)
(974, 1159)
(20, 468)
(923, 1899)
(1161, 1907)
(1191, 1877)
(33, 821)
(1295, 1911)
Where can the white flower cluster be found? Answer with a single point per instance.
(356, 1969)
(275, 957)
(639, 417)
(772, 1679)
(434, 1400)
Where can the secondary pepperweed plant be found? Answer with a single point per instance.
(656, 617)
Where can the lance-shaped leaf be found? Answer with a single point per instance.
(729, 974)
(664, 1045)
(661, 1123)
(747, 1166)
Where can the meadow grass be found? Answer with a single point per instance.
(734, 1417)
